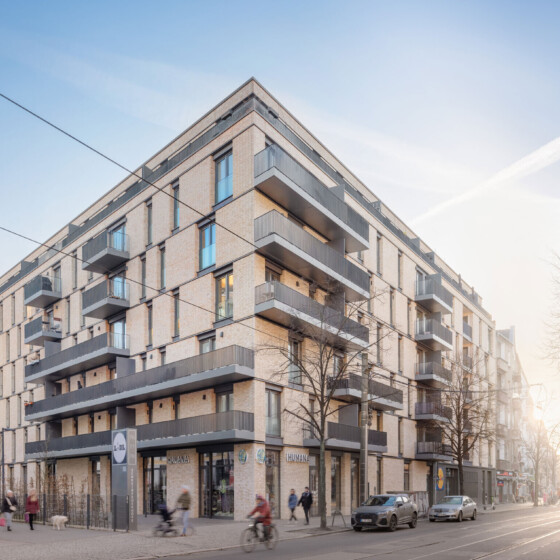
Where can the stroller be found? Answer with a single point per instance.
(166, 525)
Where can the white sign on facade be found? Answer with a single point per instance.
(178, 460)
(297, 458)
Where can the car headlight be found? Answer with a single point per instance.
(382, 514)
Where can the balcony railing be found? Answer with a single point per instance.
(351, 434)
(467, 331)
(298, 307)
(42, 290)
(432, 409)
(434, 334)
(432, 295)
(155, 383)
(427, 370)
(278, 237)
(106, 298)
(105, 252)
(285, 180)
(467, 361)
(65, 444)
(39, 330)
(380, 395)
(433, 448)
(86, 355)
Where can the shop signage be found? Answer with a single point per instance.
(178, 460)
(505, 473)
(440, 481)
(242, 455)
(297, 458)
(260, 456)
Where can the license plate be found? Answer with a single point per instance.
(367, 520)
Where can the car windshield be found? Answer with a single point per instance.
(380, 501)
(455, 500)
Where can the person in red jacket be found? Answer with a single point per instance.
(264, 517)
(32, 506)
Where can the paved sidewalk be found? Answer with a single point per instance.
(44, 543)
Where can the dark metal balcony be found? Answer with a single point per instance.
(433, 334)
(42, 291)
(221, 427)
(281, 304)
(287, 182)
(467, 331)
(381, 396)
(433, 411)
(225, 365)
(341, 436)
(431, 295)
(97, 351)
(433, 374)
(104, 252)
(106, 299)
(433, 451)
(283, 241)
(40, 330)
(501, 430)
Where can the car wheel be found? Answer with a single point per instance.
(393, 523)
(412, 524)
(432, 520)
(460, 517)
(357, 529)
(474, 515)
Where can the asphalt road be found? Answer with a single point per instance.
(525, 534)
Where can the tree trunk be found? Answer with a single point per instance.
(322, 490)
(536, 500)
(461, 476)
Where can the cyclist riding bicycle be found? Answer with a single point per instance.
(264, 517)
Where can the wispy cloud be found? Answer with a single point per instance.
(532, 163)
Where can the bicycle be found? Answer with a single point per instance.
(251, 536)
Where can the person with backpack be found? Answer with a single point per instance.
(306, 500)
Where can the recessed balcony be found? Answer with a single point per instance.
(287, 243)
(433, 411)
(105, 252)
(347, 438)
(106, 299)
(381, 396)
(503, 465)
(467, 331)
(42, 291)
(224, 365)
(431, 295)
(287, 182)
(501, 430)
(502, 365)
(286, 306)
(502, 396)
(433, 334)
(92, 353)
(40, 330)
(433, 451)
(221, 427)
(433, 374)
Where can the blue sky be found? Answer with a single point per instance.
(446, 110)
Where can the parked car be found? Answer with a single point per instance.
(387, 511)
(453, 507)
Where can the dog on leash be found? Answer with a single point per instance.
(59, 521)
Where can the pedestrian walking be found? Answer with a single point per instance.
(9, 505)
(306, 500)
(32, 506)
(184, 504)
(292, 504)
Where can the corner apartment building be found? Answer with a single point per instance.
(150, 309)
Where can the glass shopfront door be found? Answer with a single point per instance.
(314, 483)
(155, 483)
(273, 481)
(355, 481)
(216, 484)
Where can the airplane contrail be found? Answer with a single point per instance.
(535, 161)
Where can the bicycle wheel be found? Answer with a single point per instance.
(248, 540)
(272, 540)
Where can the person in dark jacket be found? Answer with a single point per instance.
(306, 500)
(9, 505)
(32, 506)
(292, 504)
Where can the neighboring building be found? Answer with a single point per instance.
(255, 217)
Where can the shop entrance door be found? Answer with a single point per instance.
(216, 484)
(155, 483)
(314, 482)
(273, 481)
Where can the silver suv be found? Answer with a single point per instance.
(385, 510)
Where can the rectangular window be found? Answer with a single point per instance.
(224, 401)
(176, 316)
(144, 360)
(13, 379)
(82, 316)
(408, 316)
(272, 413)
(224, 296)
(19, 340)
(392, 307)
(378, 342)
(175, 206)
(207, 246)
(24, 312)
(13, 309)
(162, 270)
(8, 346)
(406, 481)
(19, 410)
(224, 177)
(294, 369)
(400, 353)
(150, 324)
(1, 383)
(149, 219)
(143, 275)
(379, 248)
(118, 333)
(400, 270)
(208, 345)
(162, 356)
(400, 438)
(1, 316)
(271, 275)
(74, 270)
(68, 315)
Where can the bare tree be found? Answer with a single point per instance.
(463, 412)
(331, 359)
(552, 344)
(536, 444)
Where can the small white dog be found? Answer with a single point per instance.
(59, 521)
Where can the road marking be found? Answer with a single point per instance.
(486, 555)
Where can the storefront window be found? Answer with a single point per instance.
(216, 484)
(335, 484)
(155, 483)
(273, 481)
(355, 481)
(314, 482)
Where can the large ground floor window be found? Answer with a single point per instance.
(216, 484)
(155, 483)
(273, 481)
